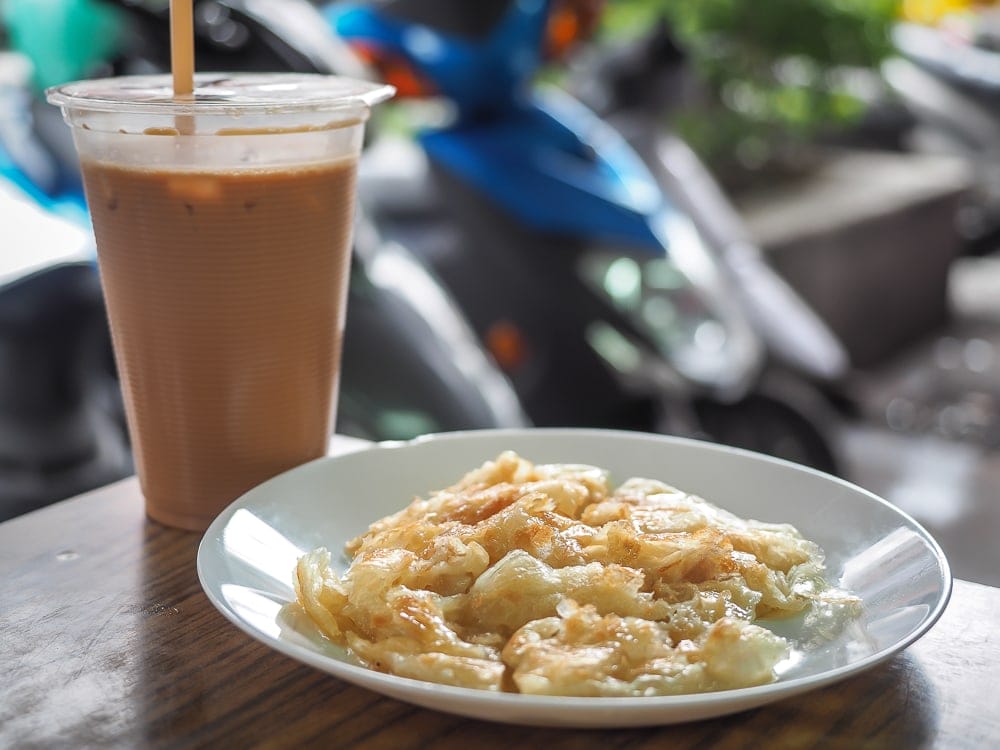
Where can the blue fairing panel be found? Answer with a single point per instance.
(558, 168)
(477, 77)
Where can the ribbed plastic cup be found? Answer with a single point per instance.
(223, 226)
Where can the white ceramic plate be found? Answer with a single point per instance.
(246, 559)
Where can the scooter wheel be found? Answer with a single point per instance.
(773, 426)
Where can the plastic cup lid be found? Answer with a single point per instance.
(221, 94)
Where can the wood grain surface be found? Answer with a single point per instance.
(106, 640)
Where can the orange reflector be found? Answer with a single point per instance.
(394, 70)
(570, 22)
(563, 31)
(507, 344)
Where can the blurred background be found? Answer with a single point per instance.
(769, 223)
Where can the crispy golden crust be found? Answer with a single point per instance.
(541, 579)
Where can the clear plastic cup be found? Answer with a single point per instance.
(223, 226)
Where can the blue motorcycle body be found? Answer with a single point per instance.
(561, 179)
(549, 161)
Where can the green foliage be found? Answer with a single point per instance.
(774, 70)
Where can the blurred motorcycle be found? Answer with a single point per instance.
(61, 425)
(949, 79)
(594, 256)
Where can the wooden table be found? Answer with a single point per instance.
(106, 640)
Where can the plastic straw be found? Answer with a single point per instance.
(182, 46)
